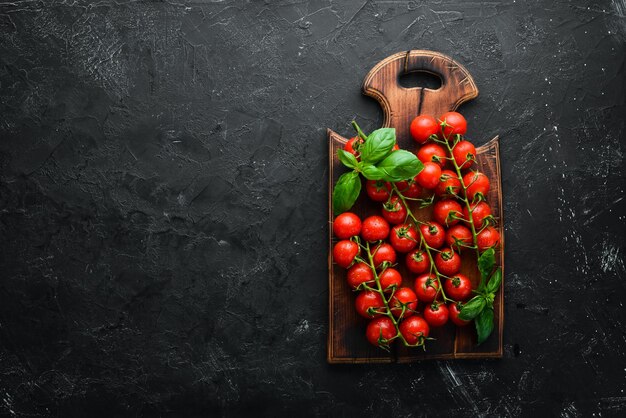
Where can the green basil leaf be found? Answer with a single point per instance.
(473, 308)
(400, 165)
(486, 261)
(494, 283)
(371, 172)
(484, 325)
(346, 192)
(378, 145)
(347, 158)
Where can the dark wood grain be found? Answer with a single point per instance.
(346, 339)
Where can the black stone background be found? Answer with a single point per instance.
(163, 205)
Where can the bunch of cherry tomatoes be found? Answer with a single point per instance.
(371, 248)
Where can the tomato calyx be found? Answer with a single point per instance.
(418, 256)
(403, 232)
(447, 255)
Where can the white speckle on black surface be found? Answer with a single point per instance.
(163, 205)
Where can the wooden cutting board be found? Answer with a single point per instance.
(346, 336)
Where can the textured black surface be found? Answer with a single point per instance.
(163, 204)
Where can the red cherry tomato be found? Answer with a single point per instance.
(459, 233)
(480, 211)
(410, 188)
(426, 287)
(403, 297)
(403, 238)
(454, 310)
(432, 153)
(454, 124)
(422, 127)
(378, 190)
(344, 253)
(428, 178)
(488, 237)
(449, 184)
(436, 314)
(390, 279)
(417, 261)
(447, 262)
(360, 273)
(458, 287)
(413, 329)
(464, 154)
(394, 211)
(347, 225)
(369, 304)
(384, 253)
(433, 233)
(476, 182)
(380, 330)
(447, 212)
(374, 228)
(353, 145)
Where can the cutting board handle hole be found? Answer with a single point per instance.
(420, 79)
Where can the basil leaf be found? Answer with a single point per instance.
(473, 308)
(371, 172)
(400, 165)
(486, 261)
(347, 158)
(346, 192)
(494, 283)
(484, 325)
(378, 145)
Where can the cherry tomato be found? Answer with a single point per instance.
(447, 262)
(449, 184)
(455, 124)
(432, 153)
(369, 304)
(459, 233)
(403, 297)
(488, 237)
(417, 261)
(447, 212)
(464, 154)
(480, 211)
(410, 188)
(384, 253)
(378, 190)
(454, 310)
(414, 328)
(389, 278)
(422, 127)
(428, 178)
(344, 253)
(476, 182)
(374, 228)
(380, 330)
(433, 233)
(347, 225)
(426, 287)
(353, 145)
(403, 238)
(458, 287)
(436, 314)
(394, 211)
(360, 273)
